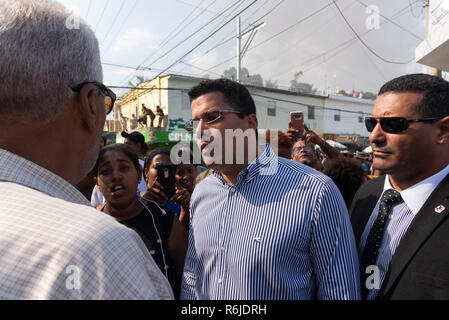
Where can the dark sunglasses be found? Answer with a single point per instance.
(394, 124)
(109, 95)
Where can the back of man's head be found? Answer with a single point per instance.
(435, 91)
(234, 94)
(43, 51)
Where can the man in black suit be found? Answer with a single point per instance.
(400, 220)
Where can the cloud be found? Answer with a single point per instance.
(203, 62)
(134, 39)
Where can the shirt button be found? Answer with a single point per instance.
(223, 249)
(220, 281)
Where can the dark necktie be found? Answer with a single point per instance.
(370, 253)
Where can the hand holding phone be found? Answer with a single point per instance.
(297, 122)
(166, 178)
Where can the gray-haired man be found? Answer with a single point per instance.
(52, 113)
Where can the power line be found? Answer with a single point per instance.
(277, 34)
(88, 8)
(194, 33)
(233, 37)
(394, 23)
(344, 45)
(113, 21)
(167, 39)
(101, 16)
(360, 39)
(126, 67)
(204, 40)
(412, 11)
(186, 38)
(121, 26)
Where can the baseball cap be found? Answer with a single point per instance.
(135, 136)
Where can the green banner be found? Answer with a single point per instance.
(163, 136)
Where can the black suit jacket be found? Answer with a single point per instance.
(419, 268)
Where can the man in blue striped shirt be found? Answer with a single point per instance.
(262, 227)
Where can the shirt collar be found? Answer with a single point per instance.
(263, 164)
(16, 169)
(416, 195)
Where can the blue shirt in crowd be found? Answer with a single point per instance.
(282, 232)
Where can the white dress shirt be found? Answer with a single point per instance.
(399, 220)
(53, 245)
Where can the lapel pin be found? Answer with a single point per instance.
(440, 208)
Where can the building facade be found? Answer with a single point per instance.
(331, 116)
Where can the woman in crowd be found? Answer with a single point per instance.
(184, 182)
(117, 175)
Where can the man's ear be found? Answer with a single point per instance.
(252, 121)
(89, 106)
(443, 134)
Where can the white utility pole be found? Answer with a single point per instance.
(430, 70)
(241, 52)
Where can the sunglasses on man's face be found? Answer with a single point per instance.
(109, 95)
(394, 124)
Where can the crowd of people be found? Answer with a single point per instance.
(283, 216)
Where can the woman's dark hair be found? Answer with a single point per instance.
(347, 174)
(118, 147)
(152, 154)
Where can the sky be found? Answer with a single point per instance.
(189, 37)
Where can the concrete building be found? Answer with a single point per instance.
(344, 119)
(434, 50)
(339, 118)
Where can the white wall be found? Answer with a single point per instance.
(350, 111)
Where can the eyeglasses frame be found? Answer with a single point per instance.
(105, 91)
(188, 128)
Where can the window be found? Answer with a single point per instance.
(271, 110)
(311, 113)
(360, 117)
(336, 117)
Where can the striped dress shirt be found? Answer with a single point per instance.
(284, 235)
(398, 221)
(54, 246)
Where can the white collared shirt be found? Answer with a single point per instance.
(53, 245)
(399, 220)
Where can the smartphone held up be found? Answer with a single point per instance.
(166, 177)
(297, 121)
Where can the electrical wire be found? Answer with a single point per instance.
(277, 34)
(209, 36)
(346, 44)
(101, 16)
(113, 21)
(394, 23)
(121, 26)
(363, 42)
(88, 8)
(233, 37)
(167, 39)
(191, 35)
